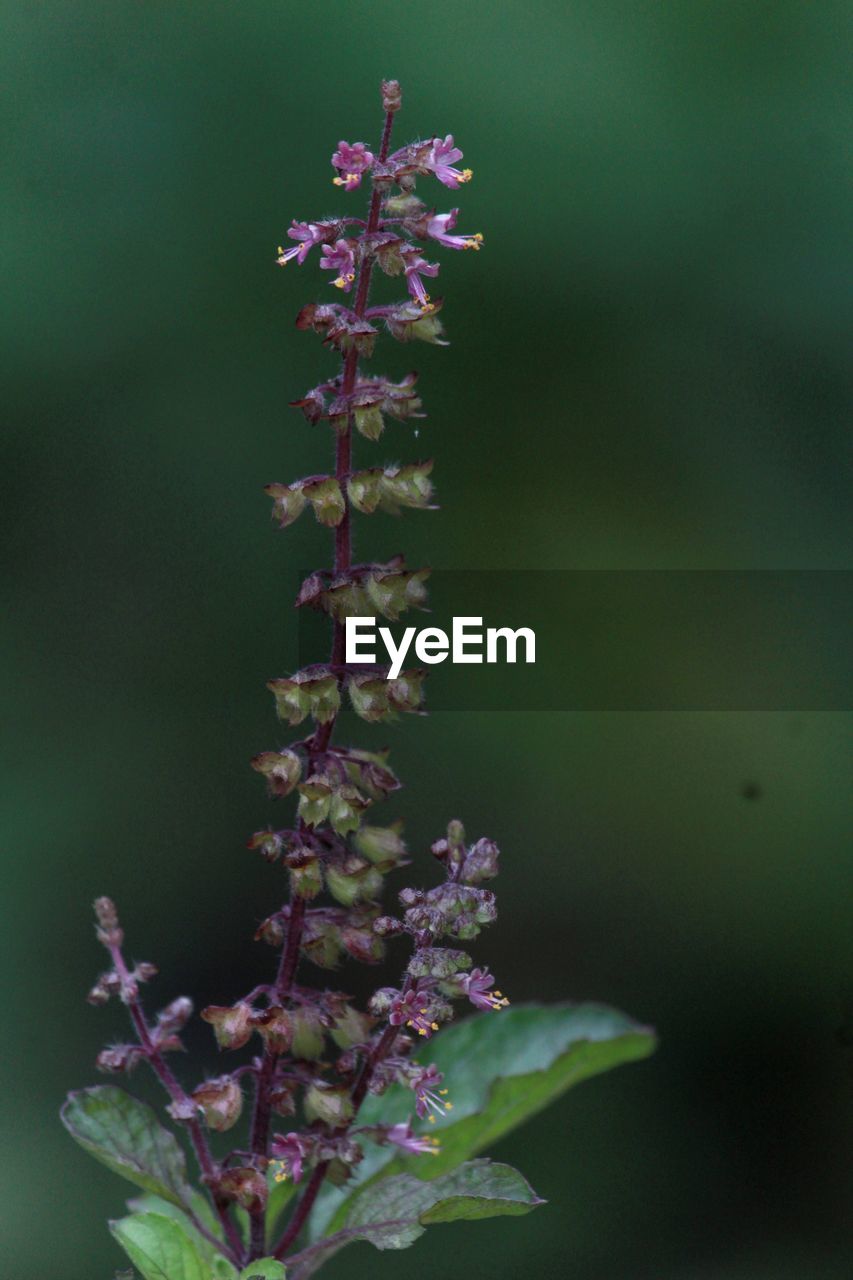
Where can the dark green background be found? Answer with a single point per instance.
(647, 370)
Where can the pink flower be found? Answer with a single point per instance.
(475, 985)
(413, 1011)
(417, 266)
(441, 159)
(401, 1136)
(339, 257)
(351, 160)
(430, 1099)
(441, 223)
(290, 1151)
(308, 234)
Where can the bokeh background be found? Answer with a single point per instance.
(647, 370)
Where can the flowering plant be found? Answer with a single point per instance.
(360, 1128)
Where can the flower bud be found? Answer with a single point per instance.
(108, 931)
(245, 1186)
(424, 919)
(381, 1001)
(362, 944)
(321, 942)
(383, 846)
(282, 1099)
(387, 927)
(481, 862)
(408, 321)
(315, 796)
(275, 1026)
(175, 1016)
(408, 486)
(108, 984)
(403, 206)
(351, 1027)
(119, 1058)
(464, 927)
(364, 491)
(411, 897)
(288, 502)
(231, 1025)
(369, 696)
(308, 1034)
(326, 498)
(269, 843)
(328, 1103)
(437, 962)
(270, 931)
(368, 420)
(306, 881)
(392, 96)
(406, 692)
(221, 1102)
(313, 692)
(183, 1110)
(345, 809)
(353, 880)
(282, 770)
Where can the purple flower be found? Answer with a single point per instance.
(475, 985)
(339, 257)
(412, 1010)
(351, 161)
(441, 223)
(402, 1136)
(441, 159)
(290, 1151)
(430, 1099)
(308, 234)
(417, 266)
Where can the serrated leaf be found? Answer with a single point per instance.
(500, 1069)
(126, 1136)
(395, 1213)
(162, 1249)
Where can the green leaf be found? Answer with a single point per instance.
(200, 1207)
(161, 1248)
(395, 1213)
(500, 1069)
(263, 1269)
(126, 1136)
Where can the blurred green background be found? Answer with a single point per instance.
(647, 370)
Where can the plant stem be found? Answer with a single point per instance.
(172, 1086)
(320, 740)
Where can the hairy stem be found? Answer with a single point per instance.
(321, 738)
(172, 1086)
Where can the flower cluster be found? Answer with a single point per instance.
(312, 1056)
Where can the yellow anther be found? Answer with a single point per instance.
(281, 248)
(466, 175)
(448, 1106)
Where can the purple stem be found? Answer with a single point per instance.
(170, 1083)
